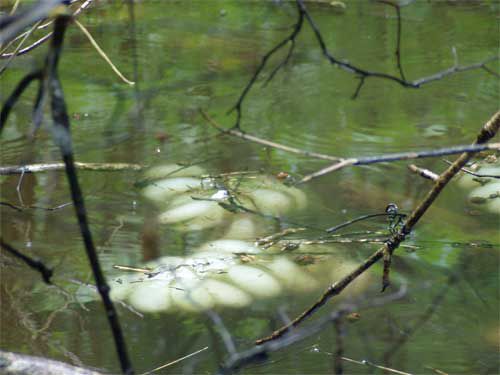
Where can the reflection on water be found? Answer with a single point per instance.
(199, 54)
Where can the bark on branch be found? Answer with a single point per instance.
(486, 133)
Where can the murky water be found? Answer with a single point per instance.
(200, 54)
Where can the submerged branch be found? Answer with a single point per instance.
(487, 132)
(259, 353)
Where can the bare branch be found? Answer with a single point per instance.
(370, 364)
(487, 132)
(260, 352)
(35, 264)
(289, 39)
(400, 156)
(265, 142)
(174, 362)
(102, 53)
(62, 137)
(362, 74)
(45, 167)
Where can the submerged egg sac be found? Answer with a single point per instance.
(173, 170)
(254, 280)
(206, 210)
(229, 246)
(163, 189)
(271, 202)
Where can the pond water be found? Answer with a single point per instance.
(191, 55)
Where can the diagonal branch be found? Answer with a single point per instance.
(399, 156)
(35, 264)
(487, 132)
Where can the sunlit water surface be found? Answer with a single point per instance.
(200, 54)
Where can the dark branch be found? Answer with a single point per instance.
(62, 137)
(35, 264)
(290, 38)
(362, 74)
(13, 98)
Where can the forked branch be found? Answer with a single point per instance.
(487, 132)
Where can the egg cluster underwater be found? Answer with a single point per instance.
(235, 270)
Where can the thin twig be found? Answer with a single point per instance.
(102, 53)
(368, 363)
(265, 142)
(360, 218)
(174, 362)
(487, 132)
(18, 48)
(22, 208)
(397, 8)
(35, 264)
(39, 42)
(290, 38)
(400, 156)
(16, 94)
(480, 175)
(362, 74)
(260, 353)
(45, 167)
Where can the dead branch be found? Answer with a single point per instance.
(259, 353)
(39, 42)
(400, 156)
(252, 138)
(425, 173)
(468, 171)
(174, 362)
(33, 207)
(45, 167)
(62, 137)
(101, 52)
(487, 132)
(361, 73)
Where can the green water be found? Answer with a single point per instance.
(199, 54)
